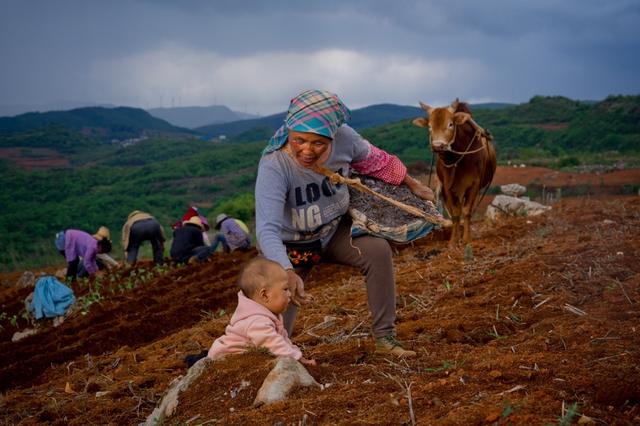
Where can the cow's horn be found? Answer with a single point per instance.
(454, 105)
(426, 107)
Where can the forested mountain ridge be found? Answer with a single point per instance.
(163, 175)
(192, 117)
(361, 118)
(98, 123)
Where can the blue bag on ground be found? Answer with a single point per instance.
(51, 298)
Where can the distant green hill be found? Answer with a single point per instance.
(263, 128)
(192, 117)
(53, 136)
(163, 174)
(235, 128)
(363, 118)
(98, 123)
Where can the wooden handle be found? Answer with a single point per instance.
(357, 184)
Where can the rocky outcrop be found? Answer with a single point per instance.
(511, 204)
(285, 376)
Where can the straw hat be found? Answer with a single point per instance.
(219, 219)
(194, 220)
(103, 232)
(133, 213)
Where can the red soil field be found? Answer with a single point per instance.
(36, 159)
(540, 313)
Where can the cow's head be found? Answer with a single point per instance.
(442, 123)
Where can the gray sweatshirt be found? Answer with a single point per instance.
(294, 203)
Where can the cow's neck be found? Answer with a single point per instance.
(463, 135)
(464, 138)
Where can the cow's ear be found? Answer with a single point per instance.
(461, 117)
(421, 122)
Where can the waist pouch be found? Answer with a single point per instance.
(304, 253)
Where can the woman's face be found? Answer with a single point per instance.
(309, 149)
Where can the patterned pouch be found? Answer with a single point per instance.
(304, 253)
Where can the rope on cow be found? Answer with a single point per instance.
(466, 152)
(336, 178)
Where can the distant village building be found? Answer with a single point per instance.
(132, 141)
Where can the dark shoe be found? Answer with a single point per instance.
(388, 345)
(192, 359)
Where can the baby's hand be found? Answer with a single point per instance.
(308, 361)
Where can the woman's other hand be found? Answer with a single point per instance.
(306, 361)
(296, 287)
(419, 189)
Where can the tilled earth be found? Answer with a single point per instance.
(536, 322)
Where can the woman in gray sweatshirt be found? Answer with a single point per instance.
(301, 216)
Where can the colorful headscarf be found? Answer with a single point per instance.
(312, 111)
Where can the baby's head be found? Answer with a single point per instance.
(266, 282)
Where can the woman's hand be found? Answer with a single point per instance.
(296, 287)
(306, 361)
(419, 189)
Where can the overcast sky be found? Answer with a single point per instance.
(253, 56)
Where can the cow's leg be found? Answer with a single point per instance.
(467, 210)
(455, 220)
(455, 211)
(455, 230)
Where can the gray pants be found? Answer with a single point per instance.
(372, 255)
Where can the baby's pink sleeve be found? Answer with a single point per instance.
(263, 333)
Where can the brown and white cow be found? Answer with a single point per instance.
(466, 160)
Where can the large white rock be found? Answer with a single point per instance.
(504, 205)
(513, 189)
(169, 402)
(285, 376)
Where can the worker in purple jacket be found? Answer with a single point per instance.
(79, 244)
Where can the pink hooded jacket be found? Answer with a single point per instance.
(253, 325)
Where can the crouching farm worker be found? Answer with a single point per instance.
(234, 234)
(76, 245)
(188, 244)
(257, 321)
(301, 217)
(194, 211)
(138, 228)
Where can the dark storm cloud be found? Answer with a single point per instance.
(257, 54)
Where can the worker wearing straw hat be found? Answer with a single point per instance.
(188, 244)
(233, 235)
(79, 246)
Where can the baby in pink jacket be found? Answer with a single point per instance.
(257, 321)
